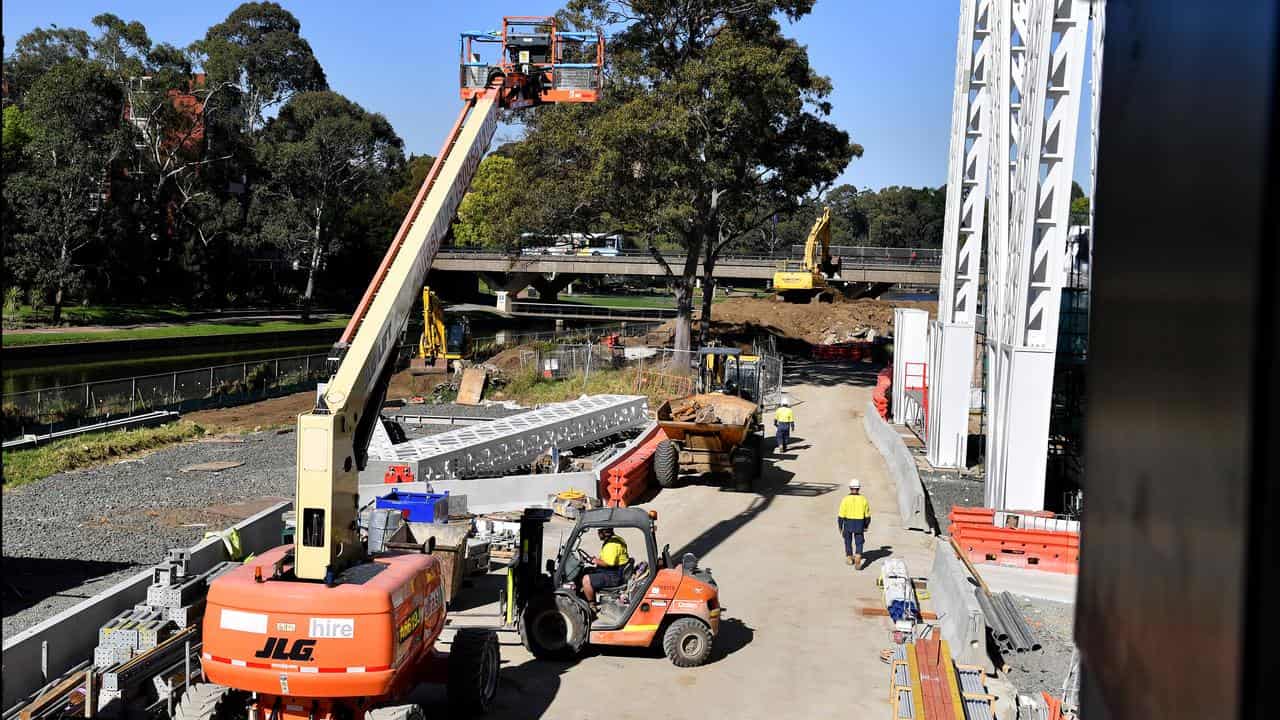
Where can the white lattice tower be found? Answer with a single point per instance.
(950, 367)
(967, 166)
(1039, 217)
(1008, 32)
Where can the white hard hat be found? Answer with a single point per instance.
(855, 484)
(786, 402)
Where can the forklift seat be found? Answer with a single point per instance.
(628, 571)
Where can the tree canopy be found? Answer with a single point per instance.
(712, 122)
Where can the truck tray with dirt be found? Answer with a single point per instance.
(708, 433)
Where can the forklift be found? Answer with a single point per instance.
(679, 604)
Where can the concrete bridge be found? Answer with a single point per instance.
(878, 268)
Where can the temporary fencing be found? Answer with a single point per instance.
(847, 351)
(982, 541)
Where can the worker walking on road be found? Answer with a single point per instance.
(784, 419)
(854, 519)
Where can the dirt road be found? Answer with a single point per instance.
(794, 644)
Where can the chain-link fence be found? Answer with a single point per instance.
(58, 408)
(660, 373)
(483, 347)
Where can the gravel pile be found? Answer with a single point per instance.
(1052, 624)
(73, 534)
(948, 489)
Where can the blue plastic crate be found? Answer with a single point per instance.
(422, 507)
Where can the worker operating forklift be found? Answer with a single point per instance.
(608, 567)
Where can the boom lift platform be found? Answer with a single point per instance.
(335, 626)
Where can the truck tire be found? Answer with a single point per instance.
(206, 701)
(554, 627)
(666, 463)
(687, 642)
(746, 468)
(473, 672)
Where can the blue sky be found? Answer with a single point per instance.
(892, 63)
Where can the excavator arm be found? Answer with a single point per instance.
(817, 248)
(332, 437)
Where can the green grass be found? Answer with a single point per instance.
(104, 314)
(626, 301)
(241, 327)
(529, 388)
(27, 465)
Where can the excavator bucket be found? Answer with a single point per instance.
(421, 366)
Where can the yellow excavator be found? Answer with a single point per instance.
(441, 343)
(813, 280)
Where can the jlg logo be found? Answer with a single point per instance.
(278, 649)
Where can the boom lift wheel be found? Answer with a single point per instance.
(206, 701)
(666, 463)
(396, 712)
(687, 642)
(473, 671)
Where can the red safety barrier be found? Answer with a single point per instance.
(397, 474)
(626, 477)
(1050, 550)
(850, 351)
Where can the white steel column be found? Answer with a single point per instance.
(1039, 212)
(951, 341)
(1009, 49)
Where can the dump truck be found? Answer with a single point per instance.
(717, 430)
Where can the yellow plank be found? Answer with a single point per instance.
(953, 684)
(914, 663)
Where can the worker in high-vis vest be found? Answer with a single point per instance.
(854, 519)
(784, 419)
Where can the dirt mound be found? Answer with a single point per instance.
(509, 361)
(814, 323)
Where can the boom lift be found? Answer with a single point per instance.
(325, 629)
(818, 269)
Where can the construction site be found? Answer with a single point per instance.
(621, 522)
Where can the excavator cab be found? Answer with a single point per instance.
(534, 61)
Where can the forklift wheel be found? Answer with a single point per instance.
(554, 627)
(473, 671)
(687, 642)
(746, 468)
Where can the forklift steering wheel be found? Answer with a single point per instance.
(584, 556)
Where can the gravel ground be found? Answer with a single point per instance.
(1052, 624)
(102, 524)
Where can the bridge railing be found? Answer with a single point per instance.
(591, 312)
(849, 254)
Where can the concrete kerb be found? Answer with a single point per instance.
(959, 615)
(902, 467)
(68, 638)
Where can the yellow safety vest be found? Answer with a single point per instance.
(855, 507)
(784, 414)
(614, 552)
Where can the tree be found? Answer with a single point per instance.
(712, 123)
(1079, 205)
(258, 50)
(39, 51)
(489, 213)
(320, 156)
(59, 196)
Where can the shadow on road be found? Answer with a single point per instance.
(27, 581)
(871, 556)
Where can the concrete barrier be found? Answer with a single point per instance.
(963, 625)
(68, 638)
(902, 467)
